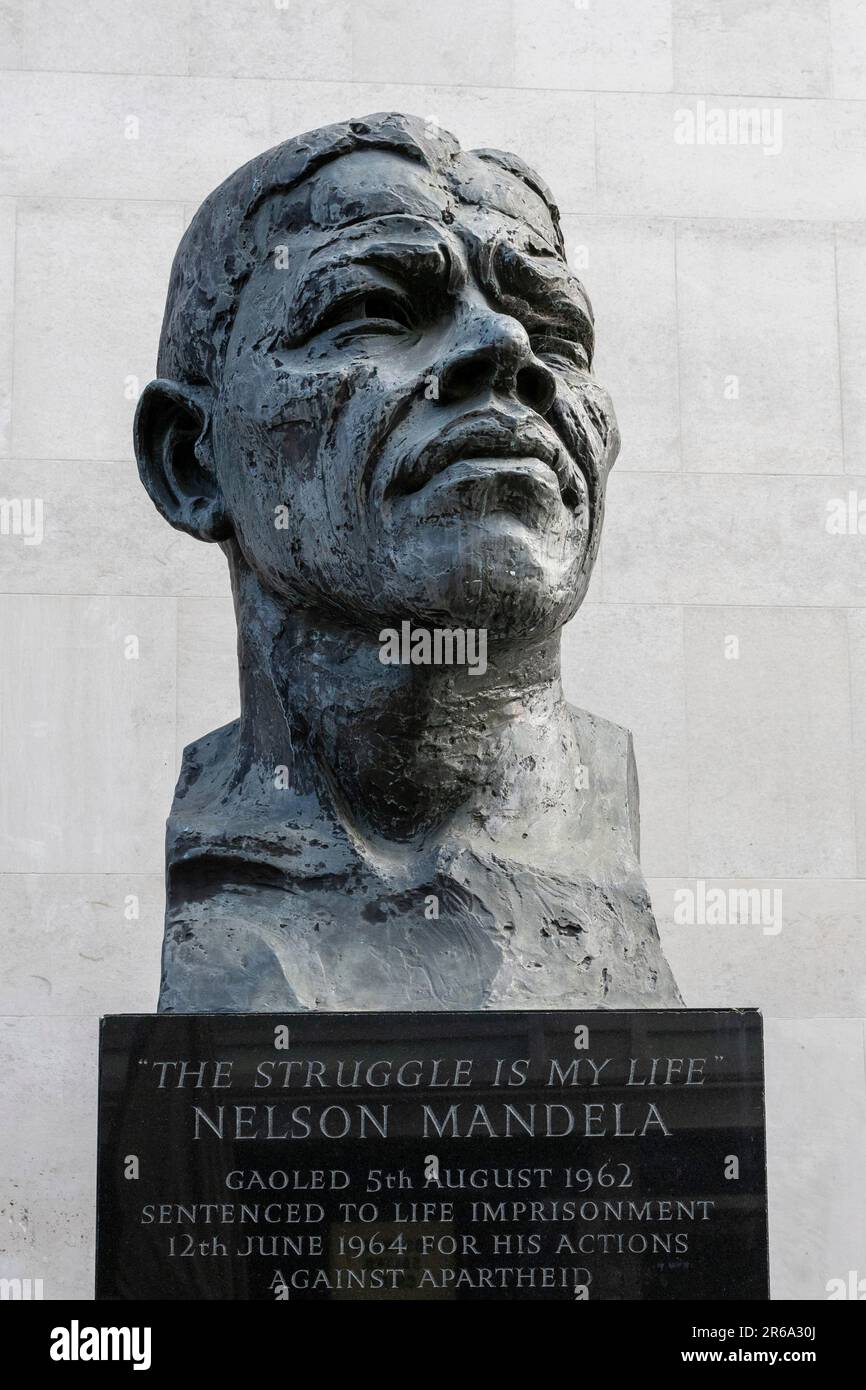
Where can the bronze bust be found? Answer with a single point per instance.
(376, 395)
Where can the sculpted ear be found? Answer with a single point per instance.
(175, 459)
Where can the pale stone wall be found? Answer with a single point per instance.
(705, 263)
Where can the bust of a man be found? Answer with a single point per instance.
(376, 395)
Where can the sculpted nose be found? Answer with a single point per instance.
(498, 357)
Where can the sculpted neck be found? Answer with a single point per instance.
(401, 751)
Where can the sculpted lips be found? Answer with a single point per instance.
(492, 435)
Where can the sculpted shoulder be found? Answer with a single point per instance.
(246, 816)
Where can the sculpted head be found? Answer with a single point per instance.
(375, 385)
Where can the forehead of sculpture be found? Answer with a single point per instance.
(476, 195)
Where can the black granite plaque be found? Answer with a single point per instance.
(569, 1156)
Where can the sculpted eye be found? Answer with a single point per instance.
(567, 349)
(381, 305)
(378, 307)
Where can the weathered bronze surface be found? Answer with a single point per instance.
(376, 395)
